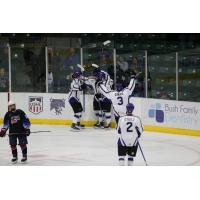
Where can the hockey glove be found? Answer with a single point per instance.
(3, 132)
(83, 86)
(27, 131)
(138, 75)
(98, 95)
(133, 76)
(138, 132)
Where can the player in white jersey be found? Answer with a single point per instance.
(119, 97)
(101, 103)
(130, 129)
(74, 100)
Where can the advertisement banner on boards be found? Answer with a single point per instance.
(175, 114)
(50, 106)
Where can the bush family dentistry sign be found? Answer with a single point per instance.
(176, 114)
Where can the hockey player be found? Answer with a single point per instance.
(74, 100)
(19, 128)
(119, 97)
(101, 104)
(130, 129)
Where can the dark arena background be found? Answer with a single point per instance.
(168, 62)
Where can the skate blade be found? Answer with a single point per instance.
(98, 127)
(75, 130)
(24, 162)
(106, 129)
(14, 162)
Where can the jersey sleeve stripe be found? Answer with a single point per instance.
(107, 92)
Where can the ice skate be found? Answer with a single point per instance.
(14, 160)
(75, 128)
(81, 126)
(24, 160)
(98, 125)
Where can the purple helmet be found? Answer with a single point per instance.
(96, 71)
(76, 74)
(100, 75)
(130, 108)
(119, 87)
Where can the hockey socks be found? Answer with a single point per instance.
(100, 116)
(14, 151)
(108, 119)
(24, 150)
(121, 160)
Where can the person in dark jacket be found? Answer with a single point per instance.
(18, 124)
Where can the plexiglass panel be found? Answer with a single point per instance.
(28, 68)
(4, 72)
(162, 71)
(101, 57)
(189, 75)
(61, 64)
(129, 62)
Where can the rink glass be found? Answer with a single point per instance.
(189, 75)
(61, 64)
(162, 72)
(4, 67)
(102, 57)
(47, 66)
(129, 62)
(28, 70)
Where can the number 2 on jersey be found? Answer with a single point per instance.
(129, 126)
(120, 102)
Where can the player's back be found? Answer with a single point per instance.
(108, 81)
(75, 89)
(119, 101)
(129, 126)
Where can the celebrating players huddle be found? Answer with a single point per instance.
(129, 126)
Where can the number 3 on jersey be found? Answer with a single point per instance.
(129, 127)
(120, 100)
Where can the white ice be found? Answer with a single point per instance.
(99, 147)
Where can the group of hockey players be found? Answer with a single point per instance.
(129, 126)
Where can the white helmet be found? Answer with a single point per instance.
(10, 103)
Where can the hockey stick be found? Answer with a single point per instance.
(41, 132)
(142, 154)
(10, 134)
(136, 141)
(81, 67)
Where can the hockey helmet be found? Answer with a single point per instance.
(119, 87)
(96, 71)
(130, 108)
(76, 74)
(11, 103)
(100, 76)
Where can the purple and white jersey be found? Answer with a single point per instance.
(128, 127)
(119, 99)
(75, 89)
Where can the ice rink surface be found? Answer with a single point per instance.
(95, 147)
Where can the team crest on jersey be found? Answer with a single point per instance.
(15, 119)
(57, 105)
(36, 105)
